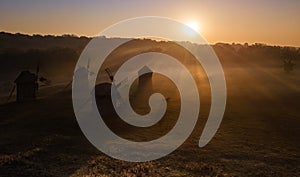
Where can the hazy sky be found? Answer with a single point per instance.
(265, 21)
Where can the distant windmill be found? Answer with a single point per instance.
(27, 85)
(88, 70)
(111, 77)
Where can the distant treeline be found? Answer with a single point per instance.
(259, 50)
(26, 42)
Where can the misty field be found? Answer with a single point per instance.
(259, 134)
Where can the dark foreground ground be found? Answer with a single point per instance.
(259, 135)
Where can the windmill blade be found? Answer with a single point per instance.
(37, 68)
(11, 93)
(88, 64)
(68, 85)
(44, 80)
(88, 67)
(108, 72)
(122, 82)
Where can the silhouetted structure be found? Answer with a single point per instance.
(26, 86)
(103, 99)
(144, 87)
(145, 80)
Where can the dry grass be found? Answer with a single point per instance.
(259, 135)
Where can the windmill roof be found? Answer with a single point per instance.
(145, 69)
(25, 76)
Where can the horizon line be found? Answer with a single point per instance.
(91, 37)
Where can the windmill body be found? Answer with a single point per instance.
(27, 86)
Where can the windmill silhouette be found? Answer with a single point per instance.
(27, 85)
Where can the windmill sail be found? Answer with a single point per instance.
(37, 68)
(11, 93)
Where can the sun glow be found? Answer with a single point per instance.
(194, 25)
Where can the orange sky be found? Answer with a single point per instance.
(266, 21)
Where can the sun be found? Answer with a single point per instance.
(194, 25)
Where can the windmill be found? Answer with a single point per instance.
(87, 69)
(114, 86)
(27, 85)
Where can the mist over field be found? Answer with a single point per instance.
(259, 135)
(57, 56)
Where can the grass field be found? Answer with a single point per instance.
(259, 135)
